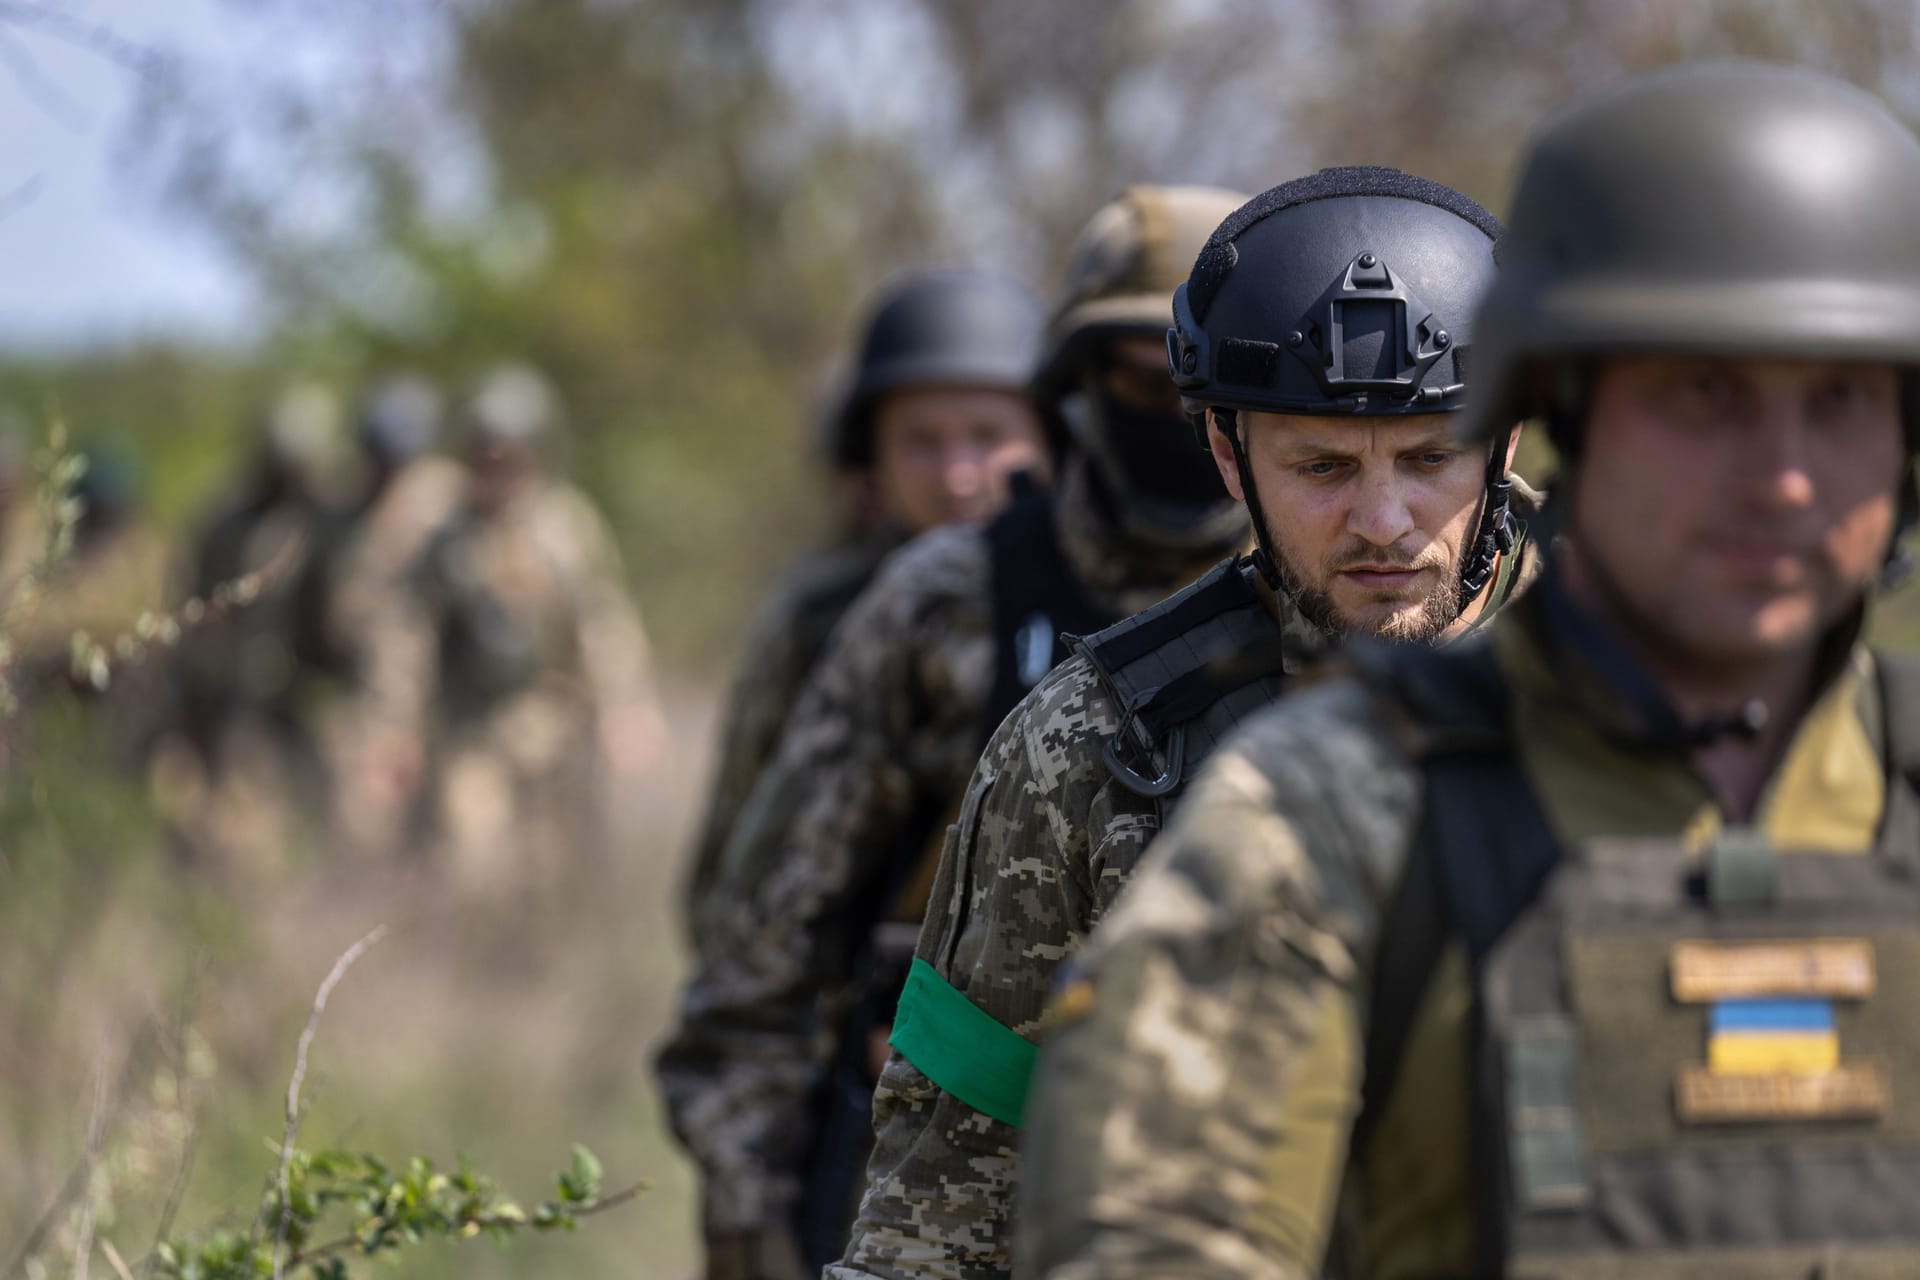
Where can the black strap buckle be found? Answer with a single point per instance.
(1131, 778)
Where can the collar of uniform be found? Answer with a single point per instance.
(1120, 573)
(1598, 773)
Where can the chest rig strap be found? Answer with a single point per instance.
(1182, 673)
(1036, 596)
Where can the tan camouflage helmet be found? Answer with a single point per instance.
(1122, 273)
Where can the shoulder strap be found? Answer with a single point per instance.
(1036, 598)
(1170, 666)
(1483, 850)
(1900, 710)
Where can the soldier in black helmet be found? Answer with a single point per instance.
(1321, 338)
(1580, 949)
(931, 425)
(827, 872)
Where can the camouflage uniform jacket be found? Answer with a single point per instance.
(1047, 841)
(1193, 1110)
(785, 642)
(890, 717)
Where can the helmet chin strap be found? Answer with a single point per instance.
(1228, 420)
(1496, 533)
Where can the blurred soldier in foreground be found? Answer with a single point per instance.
(528, 653)
(1584, 948)
(360, 574)
(828, 872)
(1375, 521)
(243, 689)
(932, 424)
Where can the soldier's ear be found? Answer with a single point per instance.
(1222, 450)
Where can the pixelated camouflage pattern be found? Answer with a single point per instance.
(890, 714)
(783, 644)
(1047, 841)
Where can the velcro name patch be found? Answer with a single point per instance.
(1830, 968)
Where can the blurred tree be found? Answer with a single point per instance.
(676, 205)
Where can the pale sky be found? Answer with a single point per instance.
(89, 253)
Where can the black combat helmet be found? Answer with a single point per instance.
(1724, 208)
(1119, 283)
(944, 327)
(1350, 291)
(400, 419)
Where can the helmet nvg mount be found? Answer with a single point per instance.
(940, 327)
(1347, 292)
(1119, 283)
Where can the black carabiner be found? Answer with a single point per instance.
(1139, 783)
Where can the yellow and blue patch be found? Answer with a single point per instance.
(1772, 1037)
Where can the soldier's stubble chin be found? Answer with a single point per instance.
(1423, 624)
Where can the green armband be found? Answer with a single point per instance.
(961, 1047)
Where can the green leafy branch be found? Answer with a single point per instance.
(386, 1209)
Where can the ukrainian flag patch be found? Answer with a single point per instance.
(1773, 1049)
(1772, 1037)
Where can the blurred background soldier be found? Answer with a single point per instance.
(911, 456)
(243, 691)
(528, 651)
(359, 574)
(828, 873)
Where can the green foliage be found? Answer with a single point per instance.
(372, 1209)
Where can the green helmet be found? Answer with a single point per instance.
(1119, 283)
(1122, 272)
(1723, 208)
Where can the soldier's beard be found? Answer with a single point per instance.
(1422, 625)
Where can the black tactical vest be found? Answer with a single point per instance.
(1185, 672)
(1684, 1064)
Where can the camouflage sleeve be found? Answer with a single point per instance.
(771, 673)
(1020, 883)
(821, 823)
(1191, 1117)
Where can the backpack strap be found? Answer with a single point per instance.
(1483, 849)
(1036, 598)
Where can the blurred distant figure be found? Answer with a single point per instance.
(243, 689)
(522, 638)
(364, 552)
(932, 419)
(246, 566)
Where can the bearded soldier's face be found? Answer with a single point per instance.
(1737, 508)
(1369, 516)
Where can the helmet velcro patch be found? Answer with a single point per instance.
(1242, 362)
